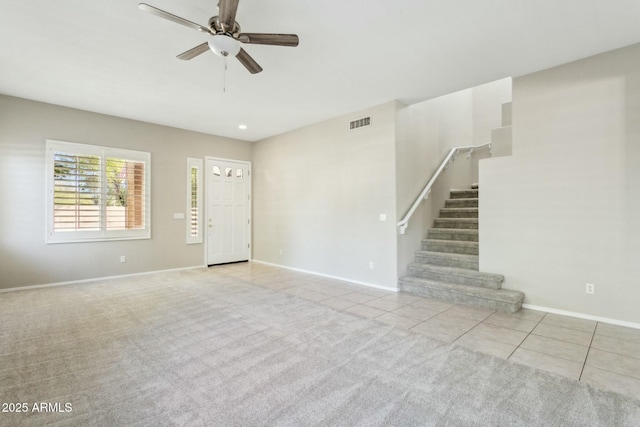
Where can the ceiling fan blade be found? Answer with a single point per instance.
(227, 14)
(270, 39)
(171, 17)
(192, 53)
(248, 62)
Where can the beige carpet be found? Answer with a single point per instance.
(222, 347)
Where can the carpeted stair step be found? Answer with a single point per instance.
(459, 213)
(447, 266)
(463, 194)
(469, 262)
(467, 235)
(503, 300)
(461, 203)
(475, 186)
(460, 223)
(450, 246)
(458, 276)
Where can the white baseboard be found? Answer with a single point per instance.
(95, 279)
(328, 276)
(583, 316)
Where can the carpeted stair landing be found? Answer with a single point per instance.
(447, 266)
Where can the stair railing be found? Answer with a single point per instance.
(404, 222)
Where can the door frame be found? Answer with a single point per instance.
(206, 204)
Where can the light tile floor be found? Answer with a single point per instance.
(602, 355)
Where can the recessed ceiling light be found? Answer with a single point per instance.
(242, 127)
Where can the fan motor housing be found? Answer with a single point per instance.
(216, 27)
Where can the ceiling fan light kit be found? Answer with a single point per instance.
(225, 35)
(224, 46)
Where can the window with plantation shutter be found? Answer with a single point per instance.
(194, 200)
(125, 194)
(76, 196)
(96, 193)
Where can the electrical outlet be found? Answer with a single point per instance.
(280, 251)
(591, 288)
(123, 258)
(371, 265)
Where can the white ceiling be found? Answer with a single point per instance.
(109, 57)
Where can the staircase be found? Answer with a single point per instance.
(447, 266)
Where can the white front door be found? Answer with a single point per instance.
(228, 210)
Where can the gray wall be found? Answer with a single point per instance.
(319, 190)
(318, 195)
(24, 257)
(563, 210)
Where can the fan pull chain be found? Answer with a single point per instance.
(224, 78)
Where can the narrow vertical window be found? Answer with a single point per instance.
(194, 200)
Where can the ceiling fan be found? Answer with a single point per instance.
(226, 35)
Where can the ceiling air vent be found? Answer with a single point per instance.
(360, 123)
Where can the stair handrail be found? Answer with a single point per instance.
(404, 222)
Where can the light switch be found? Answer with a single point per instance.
(383, 217)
